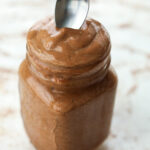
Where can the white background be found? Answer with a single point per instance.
(128, 22)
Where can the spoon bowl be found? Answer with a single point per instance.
(71, 13)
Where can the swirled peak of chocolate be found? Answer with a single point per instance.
(67, 47)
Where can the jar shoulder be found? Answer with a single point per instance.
(63, 102)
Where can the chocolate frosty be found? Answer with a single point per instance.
(67, 86)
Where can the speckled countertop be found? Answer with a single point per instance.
(128, 22)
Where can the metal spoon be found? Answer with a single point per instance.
(71, 13)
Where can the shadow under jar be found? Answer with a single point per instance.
(67, 86)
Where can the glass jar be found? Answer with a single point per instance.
(67, 86)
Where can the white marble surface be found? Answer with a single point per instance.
(128, 22)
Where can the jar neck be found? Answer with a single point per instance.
(67, 78)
